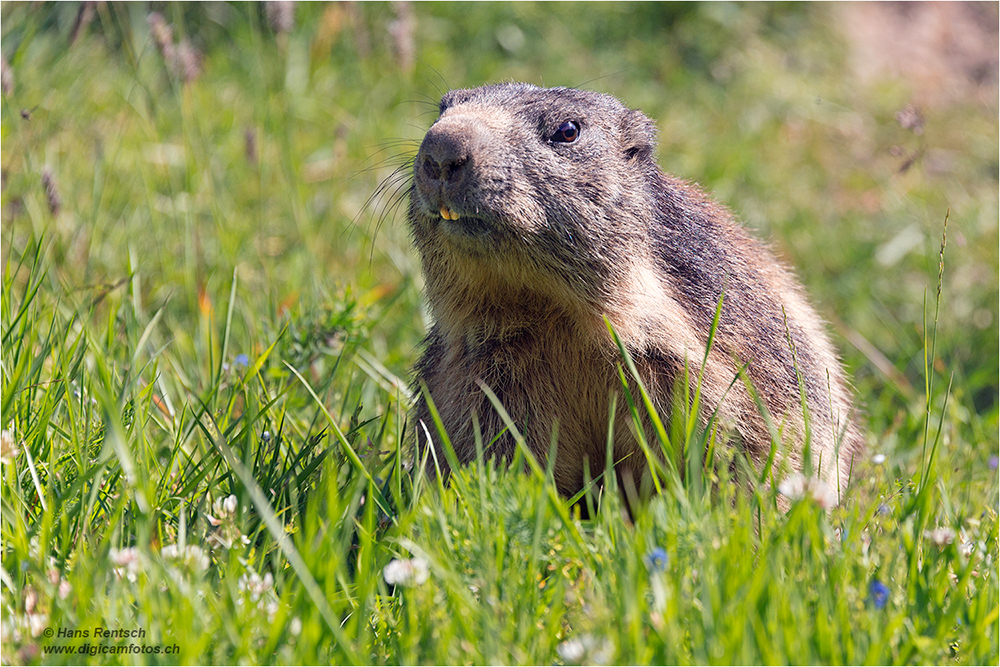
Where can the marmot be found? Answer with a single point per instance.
(540, 214)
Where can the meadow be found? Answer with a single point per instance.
(210, 307)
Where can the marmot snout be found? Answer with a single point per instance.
(537, 214)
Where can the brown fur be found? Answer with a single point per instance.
(528, 243)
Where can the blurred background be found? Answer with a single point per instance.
(152, 150)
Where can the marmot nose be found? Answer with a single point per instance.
(444, 155)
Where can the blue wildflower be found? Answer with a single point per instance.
(656, 560)
(241, 361)
(993, 462)
(878, 593)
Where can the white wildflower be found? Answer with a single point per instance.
(8, 448)
(406, 572)
(256, 585)
(30, 600)
(798, 487)
(126, 562)
(8, 631)
(228, 532)
(571, 650)
(223, 509)
(940, 536)
(967, 544)
(37, 623)
(878, 459)
(191, 555)
(64, 588)
(586, 649)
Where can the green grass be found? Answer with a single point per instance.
(205, 315)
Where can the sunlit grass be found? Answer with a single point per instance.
(207, 325)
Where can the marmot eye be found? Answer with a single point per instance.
(567, 133)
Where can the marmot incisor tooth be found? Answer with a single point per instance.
(540, 212)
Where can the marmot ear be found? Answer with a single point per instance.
(638, 135)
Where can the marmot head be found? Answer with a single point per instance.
(519, 187)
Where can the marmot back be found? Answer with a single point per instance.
(540, 212)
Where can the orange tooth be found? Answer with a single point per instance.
(448, 214)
